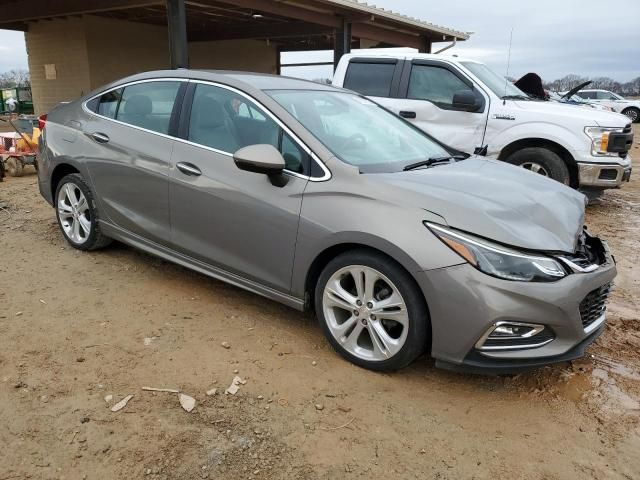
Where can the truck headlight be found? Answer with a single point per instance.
(600, 140)
(497, 260)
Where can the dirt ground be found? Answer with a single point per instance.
(78, 327)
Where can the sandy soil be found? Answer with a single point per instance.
(77, 327)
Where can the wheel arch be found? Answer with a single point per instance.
(330, 252)
(555, 147)
(59, 172)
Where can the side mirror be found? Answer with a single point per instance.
(466, 100)
(262, 158)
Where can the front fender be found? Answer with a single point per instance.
(576, 143)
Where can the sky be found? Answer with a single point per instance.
(550, 37)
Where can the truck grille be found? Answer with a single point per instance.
(594, 305)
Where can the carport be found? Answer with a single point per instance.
(77, 45)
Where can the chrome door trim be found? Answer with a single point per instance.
(326, 172)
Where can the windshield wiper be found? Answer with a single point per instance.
(428, 162)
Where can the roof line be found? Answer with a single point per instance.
(397, 17)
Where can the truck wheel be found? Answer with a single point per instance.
(542, 161)
(633, 113)
(15, 167)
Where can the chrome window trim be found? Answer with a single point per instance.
(262, 108)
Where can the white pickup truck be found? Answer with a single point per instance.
(467, 106)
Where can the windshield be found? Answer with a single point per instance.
(358, 131)
(496, 83)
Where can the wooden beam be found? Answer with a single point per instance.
(393, 37)
(277, 8)
(271, 31)
(23, 11)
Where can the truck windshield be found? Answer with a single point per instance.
(358, 131)
(496, 83)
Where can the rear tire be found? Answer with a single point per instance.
(382, 323)
(77, 214)
(14, 166)
(542, 161)
(633, 113)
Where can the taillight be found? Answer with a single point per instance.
(42, 121)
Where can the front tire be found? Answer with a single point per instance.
(541, 161)
(371, 311)
(633, 114)
(77, 214)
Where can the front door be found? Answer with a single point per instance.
(426, 99)
(232, 219)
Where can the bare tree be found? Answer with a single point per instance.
(15, 78)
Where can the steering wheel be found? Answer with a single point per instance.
(356, 140)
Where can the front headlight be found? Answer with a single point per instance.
(497, 260)
(600, 140)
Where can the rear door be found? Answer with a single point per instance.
(128, 154)
(235, 220)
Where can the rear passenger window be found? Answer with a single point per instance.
(148, 105)
(435, 84)
(373, 79)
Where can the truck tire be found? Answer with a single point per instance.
(633, 113)
(542, 161)
(14, 166)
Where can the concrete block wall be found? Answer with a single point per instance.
(90, 51)
(62, 43)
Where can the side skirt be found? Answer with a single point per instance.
(165, 253)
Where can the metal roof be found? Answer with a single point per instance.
(398, 17)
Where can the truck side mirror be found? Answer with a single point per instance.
(466, 100)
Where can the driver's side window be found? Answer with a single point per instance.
(435, 84)
(226, 121)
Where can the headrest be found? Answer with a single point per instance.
(138, 105)
(207, 113)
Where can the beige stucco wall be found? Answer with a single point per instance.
(90, 51)
(62, 43)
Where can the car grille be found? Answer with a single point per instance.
(594, 305)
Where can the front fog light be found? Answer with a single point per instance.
(514, 336)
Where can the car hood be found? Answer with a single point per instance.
(589, 117)
(494, 200)
(576, 89)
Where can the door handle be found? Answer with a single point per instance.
(407, 114)
(100, 137)
(188, 169)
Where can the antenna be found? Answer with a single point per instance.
(506, 77)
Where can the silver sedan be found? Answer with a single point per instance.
(321, 199)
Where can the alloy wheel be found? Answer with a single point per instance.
(74, 214)
(365, 313)
(632, 114)
(535, 168)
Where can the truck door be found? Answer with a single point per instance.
(442, 101)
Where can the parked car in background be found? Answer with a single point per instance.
(318, 198)
(466, 105)
(572, 98)
(630, 108)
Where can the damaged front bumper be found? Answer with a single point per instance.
(466, 305)
(604, 175)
